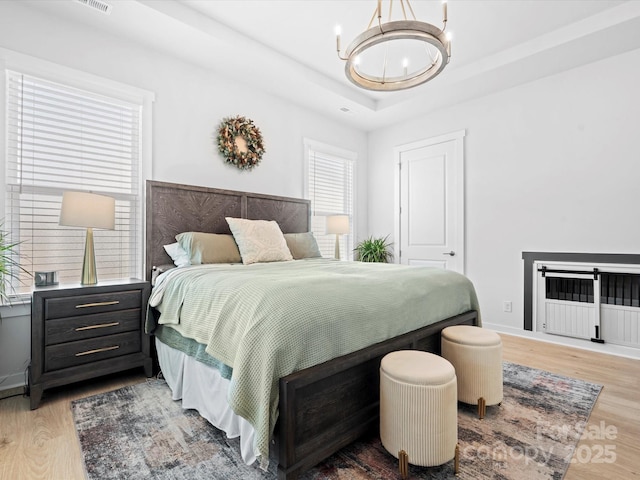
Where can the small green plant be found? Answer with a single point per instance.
(9, 267)
(374, 250)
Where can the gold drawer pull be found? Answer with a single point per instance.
(98, 350)
(98, 304)
(102, 325)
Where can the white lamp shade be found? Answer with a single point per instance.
(338, 224)
(83, 209)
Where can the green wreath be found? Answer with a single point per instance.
(230, 130)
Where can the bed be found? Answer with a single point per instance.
(320, 408)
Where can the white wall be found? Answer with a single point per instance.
(190, 103)
(552, 165)
(15, 345)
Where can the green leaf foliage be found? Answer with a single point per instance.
(374, 250)
(9, 266)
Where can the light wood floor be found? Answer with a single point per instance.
(42, 444)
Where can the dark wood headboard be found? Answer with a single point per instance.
(173, 208)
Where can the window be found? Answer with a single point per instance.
(330, 187)
(63, 138)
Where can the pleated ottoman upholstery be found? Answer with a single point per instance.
(418, 407)
(476, 354)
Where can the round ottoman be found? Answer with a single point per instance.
(418, 408)
(476, 354)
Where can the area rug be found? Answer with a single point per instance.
(138, 432)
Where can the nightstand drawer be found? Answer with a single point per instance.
(71, 354)
(63, 330)
(76, 305)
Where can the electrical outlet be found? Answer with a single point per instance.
(506, 306)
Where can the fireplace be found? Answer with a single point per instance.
(585, 296)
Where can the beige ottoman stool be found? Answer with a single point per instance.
(476, 354)
(418, 409)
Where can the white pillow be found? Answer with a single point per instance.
(259, 240)
(178, 254)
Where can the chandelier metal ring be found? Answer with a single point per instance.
(397, 30)
(385, 75)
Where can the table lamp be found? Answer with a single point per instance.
(89, 210)
(338, 224)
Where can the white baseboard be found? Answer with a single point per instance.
(12, 382)
(11, 392)
(607, 348)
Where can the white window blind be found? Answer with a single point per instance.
(61, 138)
(330, 187)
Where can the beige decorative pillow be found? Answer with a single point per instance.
(209, 247)
(259, 240)
(302, 245)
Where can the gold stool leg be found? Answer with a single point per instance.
(403, 463)
(482, 407)
(456, 460)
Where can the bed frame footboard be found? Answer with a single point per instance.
(326, 407)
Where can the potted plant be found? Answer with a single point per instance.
(9, 266)
(374, 250)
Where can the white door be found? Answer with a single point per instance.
(430, 205)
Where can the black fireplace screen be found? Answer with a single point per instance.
(615, 289)
(570, 289)
(620, 289)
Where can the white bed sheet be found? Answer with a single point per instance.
(202, 388)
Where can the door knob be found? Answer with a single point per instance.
(451, 253)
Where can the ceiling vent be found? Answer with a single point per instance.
(99, 5)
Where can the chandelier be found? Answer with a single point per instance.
(397, 54)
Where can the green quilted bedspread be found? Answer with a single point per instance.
(268, 320)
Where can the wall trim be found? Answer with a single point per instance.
(604, 348)
(12, 385)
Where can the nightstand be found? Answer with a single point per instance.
(82, 332)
